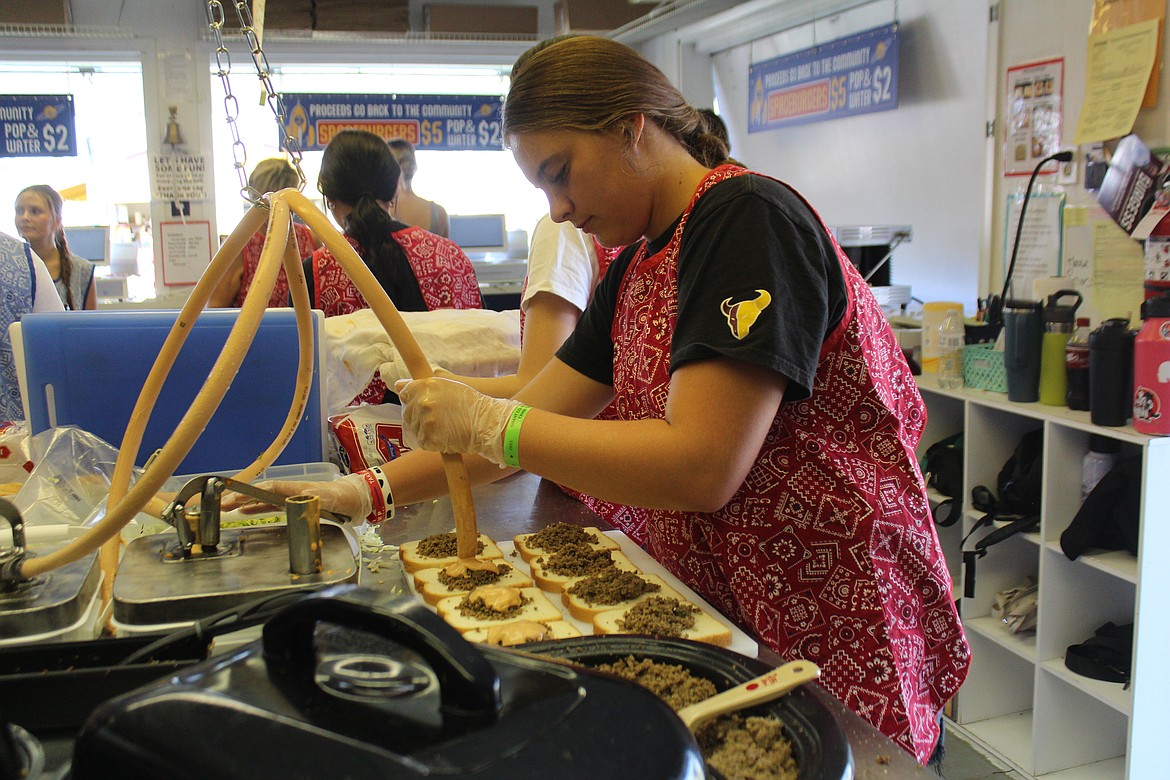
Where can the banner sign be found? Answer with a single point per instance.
(848, 76)
(37, 126)
(440, 122)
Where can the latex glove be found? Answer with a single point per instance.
(394, 371)
(345, 496)
(447, 416)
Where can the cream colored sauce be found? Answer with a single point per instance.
(517, 633)
(499, 598)
(464, 565)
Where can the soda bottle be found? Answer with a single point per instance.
(950, 351)
(1076, 363)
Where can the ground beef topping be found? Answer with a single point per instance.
(473, 578)
(476, 608)
(753, 748)
(659, 616)
(443, 546)
(557, 535)
(612, 586)
(577, 560)
(675, 685)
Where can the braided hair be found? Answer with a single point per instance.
(57, 205)
(358, 169)
(548, 92)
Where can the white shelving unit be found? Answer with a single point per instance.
(1020, 701)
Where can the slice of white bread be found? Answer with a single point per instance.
(547, 571)
(536, 606)
(587, 596)
(550, 538)
(640, 619)
(517, 632)
(428, 584)
(414, 559)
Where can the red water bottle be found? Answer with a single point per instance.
(1151, 368)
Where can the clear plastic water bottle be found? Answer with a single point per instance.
(1098, 461)
(950, 350)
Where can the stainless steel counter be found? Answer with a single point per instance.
(523, 503)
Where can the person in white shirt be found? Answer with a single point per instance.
(564, 267)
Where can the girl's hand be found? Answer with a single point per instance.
(345, 496)
(447, 416)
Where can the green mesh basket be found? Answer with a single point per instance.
(983, 368)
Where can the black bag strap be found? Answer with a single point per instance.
(947, 513)
(1018, 525)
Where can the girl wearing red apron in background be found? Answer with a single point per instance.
(270, 175)
(419, 270)
(767, 419)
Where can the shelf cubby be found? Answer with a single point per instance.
(1020, 701)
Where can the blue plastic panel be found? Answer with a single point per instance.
(91, 366)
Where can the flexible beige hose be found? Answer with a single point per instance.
(123, 505)
(454, 468)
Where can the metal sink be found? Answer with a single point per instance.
(155, 584)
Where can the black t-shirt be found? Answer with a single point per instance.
(746, 235)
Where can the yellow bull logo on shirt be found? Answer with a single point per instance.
(741, 316)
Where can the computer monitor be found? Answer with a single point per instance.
(479, 233)
(90, 241)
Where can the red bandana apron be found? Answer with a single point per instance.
(827, 552)
(252, 251)
(444, 273)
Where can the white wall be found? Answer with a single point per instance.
(927, 163)
(922, 164)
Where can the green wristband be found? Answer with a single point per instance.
(512, 435)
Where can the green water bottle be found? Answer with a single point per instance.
(1059, 320)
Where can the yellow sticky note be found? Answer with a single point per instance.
(1117, 69)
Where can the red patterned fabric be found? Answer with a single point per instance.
(251, 253)
(629, 520)
(444, 273)
(827, 552)
(605, 255)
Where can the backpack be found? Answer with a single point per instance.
(1020, 479)
(942, 467)
(1019, 483)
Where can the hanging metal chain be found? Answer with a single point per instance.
(215, 20)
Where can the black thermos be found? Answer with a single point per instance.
(1111, 373)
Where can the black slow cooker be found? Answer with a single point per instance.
(818, 742)
(350, 683)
